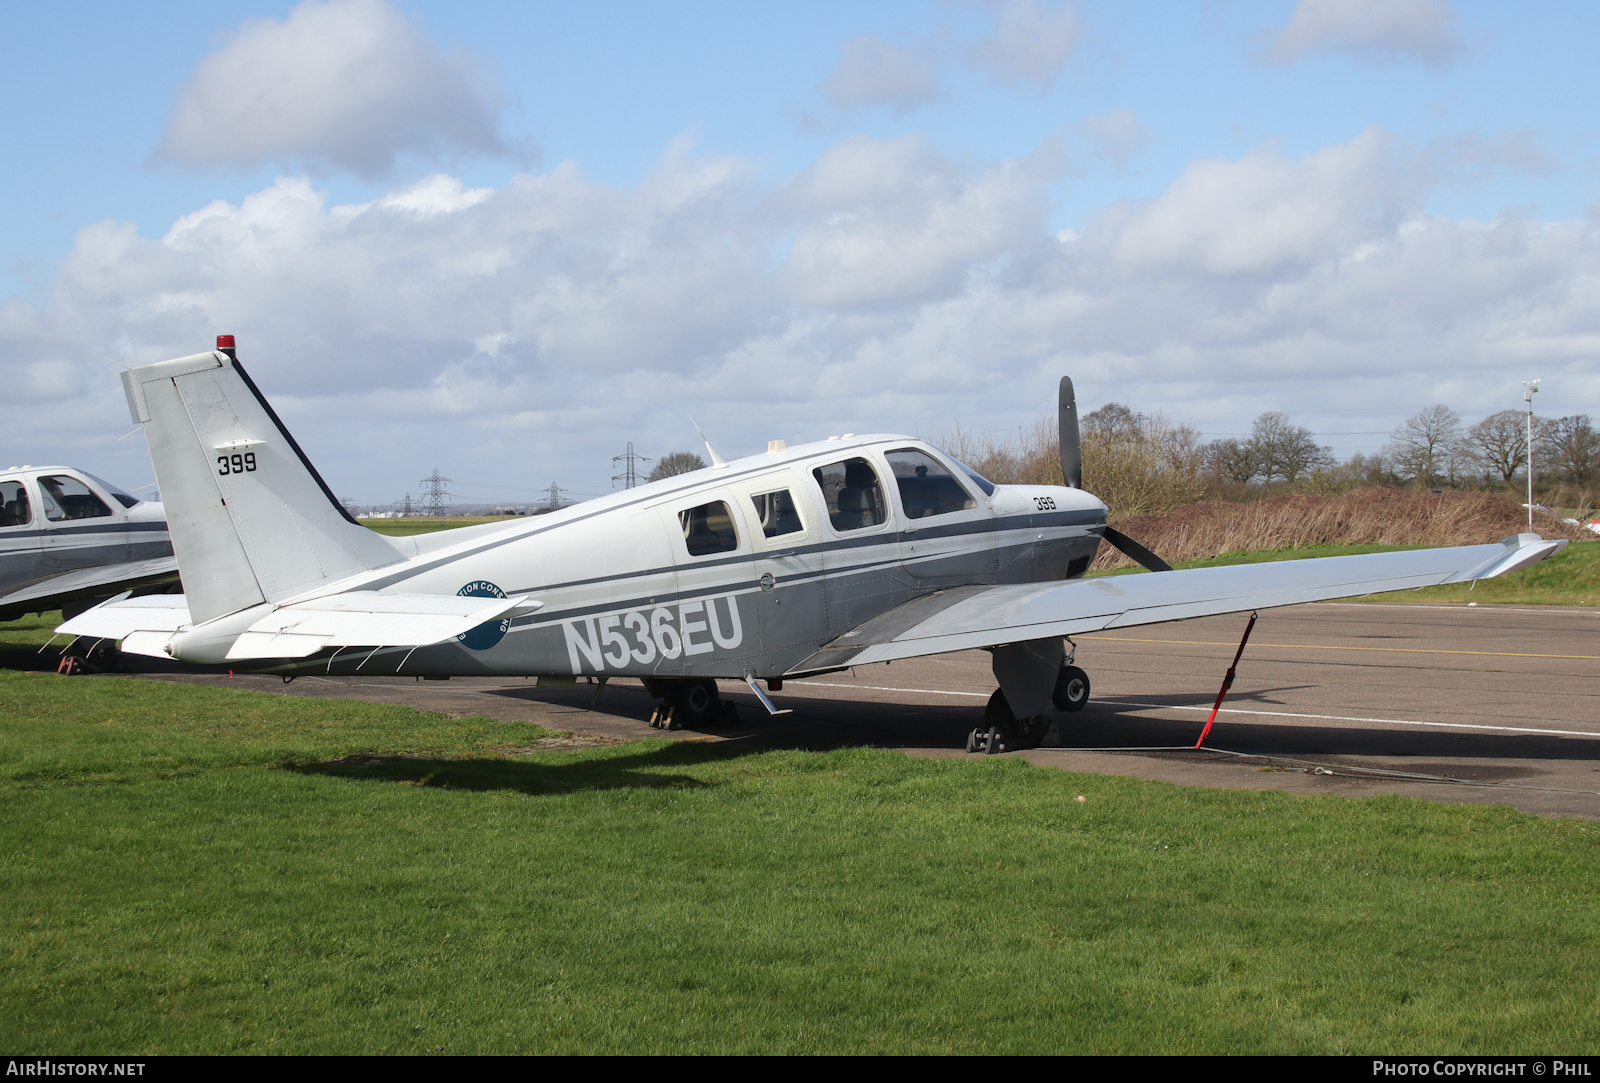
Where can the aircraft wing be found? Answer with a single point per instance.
(91, 582)
(357, 618)
(978, 616)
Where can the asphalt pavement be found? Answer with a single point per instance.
(1497, 704)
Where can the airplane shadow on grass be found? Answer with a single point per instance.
(640, 770)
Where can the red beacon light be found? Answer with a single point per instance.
(225, 345)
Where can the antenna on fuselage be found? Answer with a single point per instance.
(716, 460)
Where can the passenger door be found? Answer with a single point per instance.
(80, 529)
(786, 566)
(946, 534)
(21, 560)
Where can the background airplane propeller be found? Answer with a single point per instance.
(1071, 443)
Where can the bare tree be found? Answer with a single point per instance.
(1421, 446)
(679, 462)
(1569, 448)
(1233, 460)
(1285, 450)
(1113, 420)
(1500, 443)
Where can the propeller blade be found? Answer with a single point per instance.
(1136, 551)
(1071, 444)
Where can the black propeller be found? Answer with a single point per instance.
(1072, 472)
(1071, 443)
(1135, 551)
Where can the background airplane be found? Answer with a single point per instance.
(69, 540)
(792, 563)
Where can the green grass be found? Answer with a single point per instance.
(1571, 577)
(191, 869)
(398, 528)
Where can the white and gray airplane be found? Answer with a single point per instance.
(782, 565)
(69, 540)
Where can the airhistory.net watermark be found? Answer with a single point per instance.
(58, 1066)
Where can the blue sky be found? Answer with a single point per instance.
(794, 220)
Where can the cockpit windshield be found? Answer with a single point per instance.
(127, 500)
(977, 479)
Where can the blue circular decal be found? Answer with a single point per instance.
(489, 632)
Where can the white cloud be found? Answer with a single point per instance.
(874, 73)
(1115, 135)
(891, 221)
(1371, 30)
(526, 333)
(349, 83)
(1031, 44)
(1262, 213)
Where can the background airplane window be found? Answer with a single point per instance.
(777, 513)
(852, 493)
(69, 498)
(14, 508)
(127, 500)
(709, 529)
(926, 487)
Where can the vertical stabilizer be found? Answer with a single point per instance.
(251, 520)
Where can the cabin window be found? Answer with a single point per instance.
(777, 514)
(69, 498)
(852, 493)
(709, 529)
(14, 507)
(926, 487)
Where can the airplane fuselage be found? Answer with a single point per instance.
(56, 519)
(746, 569)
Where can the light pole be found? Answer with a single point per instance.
(1527, 397)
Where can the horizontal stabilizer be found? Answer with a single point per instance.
(120, 617)
(370, 619)
(968, 617)
(359, 619)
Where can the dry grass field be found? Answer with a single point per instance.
(1374, 516)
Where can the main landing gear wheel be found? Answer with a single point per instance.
(1003, 731)
(1072, 689)
(696, 704)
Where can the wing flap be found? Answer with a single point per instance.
(1014, 613)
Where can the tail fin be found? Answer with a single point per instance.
(250, 518)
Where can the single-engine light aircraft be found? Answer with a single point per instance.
(787, 564)
(69, 540)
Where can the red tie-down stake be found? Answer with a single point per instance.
(1227, 682)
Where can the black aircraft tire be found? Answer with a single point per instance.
(1072, 689)
(1000, 730)
(997, 712)
(699, 704)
